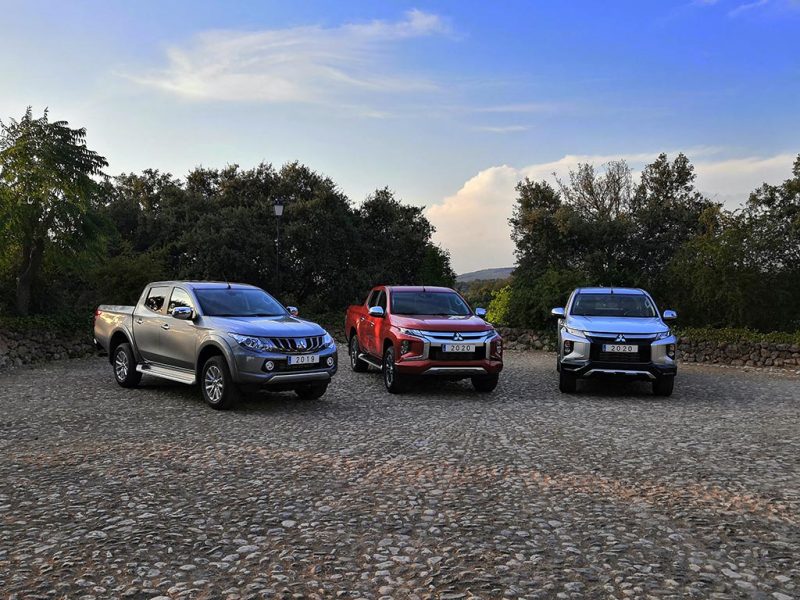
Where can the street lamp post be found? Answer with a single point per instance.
(277, 207)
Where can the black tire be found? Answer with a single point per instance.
(663, 386)
(124, 363)
(313, 391)
(354, 348)
(485, 383)
(567, 382)
(394, 381)
(216, 384)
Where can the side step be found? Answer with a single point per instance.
(369, 360)
(179, 375)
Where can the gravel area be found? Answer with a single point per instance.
(439, 493)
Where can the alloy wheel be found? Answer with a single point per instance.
(121, 365)
(214, 383)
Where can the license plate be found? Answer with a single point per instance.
(458, 348)
(304, 359)
(620, 348)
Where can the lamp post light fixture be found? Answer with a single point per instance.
(277, 207)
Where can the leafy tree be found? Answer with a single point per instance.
(46, 176)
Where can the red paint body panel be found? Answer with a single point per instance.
(374, 333)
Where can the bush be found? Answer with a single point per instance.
(733, 335)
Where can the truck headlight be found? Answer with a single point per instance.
(577, 332)
(663, 335)
(414, 332)
(251, 342)
(327, 340)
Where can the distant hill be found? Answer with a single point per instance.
(486, 275)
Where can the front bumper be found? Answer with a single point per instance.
(250, 369)
(425, 355)
(588, 360)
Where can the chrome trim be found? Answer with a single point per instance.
(369, 360)
(437, 339)
(311, 376)
(298, 345)
(557, 312)
(480, 312)
(591, 372)
(376, 311)
(670, 315)
(170, 373)
(455, 370)
(183, 313)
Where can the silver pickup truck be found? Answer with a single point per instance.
(227, 337)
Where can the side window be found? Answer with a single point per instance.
(179, 298)
(373, 298)
(382, 300)
(156, 298)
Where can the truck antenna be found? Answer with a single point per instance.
(225, 277)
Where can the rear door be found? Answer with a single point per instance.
(148, 319)
(373, 325)
(179, 338)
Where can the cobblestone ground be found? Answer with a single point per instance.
(440, 493)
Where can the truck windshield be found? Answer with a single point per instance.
(447, 304)
(249, 302)
(613, 305)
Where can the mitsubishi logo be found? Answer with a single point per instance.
(620, 339)
(458, 337)
(301, 344)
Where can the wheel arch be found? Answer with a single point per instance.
(118, 338)
(214, 348)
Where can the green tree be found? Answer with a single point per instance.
(46, 175)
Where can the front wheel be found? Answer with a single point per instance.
(358, 365)
(485, 383)
(125, 366)
(567, 382)
(216, 384)
(663, 386)
(394, 381)
(313, 391)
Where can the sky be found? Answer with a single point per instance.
(447, 103)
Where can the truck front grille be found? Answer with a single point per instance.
(642, 356)
(298, 345)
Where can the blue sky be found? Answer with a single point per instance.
(447, 103)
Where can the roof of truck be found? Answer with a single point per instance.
(204, 284)
(418, 288)
(612, 290)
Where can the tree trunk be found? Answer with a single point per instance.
(31, 263)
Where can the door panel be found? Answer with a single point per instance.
(147, 323)
(179, 338)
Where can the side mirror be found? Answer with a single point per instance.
(670, 315)
(184, 313)
(293, 310)
(376, 311)
(480, 312)
(557, 312)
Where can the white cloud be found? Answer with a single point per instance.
(299, 64)
(502, 128)
(473, 223)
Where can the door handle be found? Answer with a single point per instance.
(363, 319)
(139, 321)
(165, 326)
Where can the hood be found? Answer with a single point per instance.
(438, 323)
(617, 324)
(282, 326)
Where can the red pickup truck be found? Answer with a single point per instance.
(420, 330)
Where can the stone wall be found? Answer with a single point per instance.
(740, 354)
(18, 349)
(736, 354)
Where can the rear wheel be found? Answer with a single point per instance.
(125, 366)
(567, 382)
(394, 381)
(663, 386)
(312, 391)
(485, 383)
(358, 365)
(216, 384)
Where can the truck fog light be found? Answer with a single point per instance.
(671, 350)
(405, 346)
(329, 361)
(568, 346)
(269, 365)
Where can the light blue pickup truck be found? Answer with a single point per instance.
(615, 332)
(226, 337)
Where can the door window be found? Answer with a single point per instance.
(156, 298)
(179, 298)
(382, 300)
